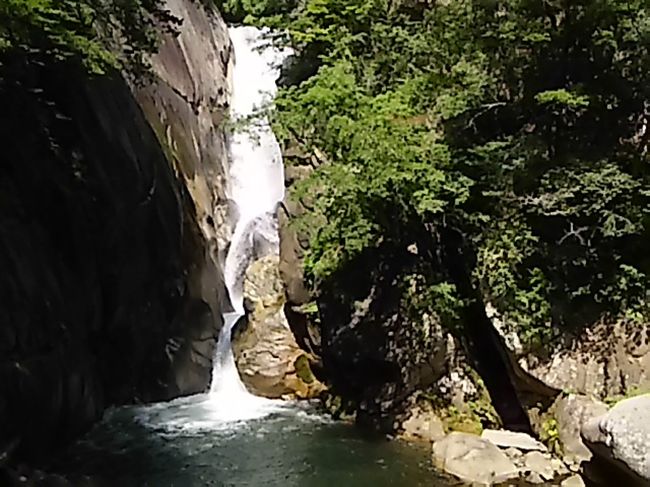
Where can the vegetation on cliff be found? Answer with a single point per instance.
(102, 34)
(517, 126)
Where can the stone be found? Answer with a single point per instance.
(423, 425)
(513, 453)
(473, 459)
(540, 464)
(508, 439)
(573, 481)
(534, 478)
(571, 412)
(269, 360)
(115, 290)
(606, 360)
(559, 466)
(621, 437)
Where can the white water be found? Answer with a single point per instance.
(256, 178)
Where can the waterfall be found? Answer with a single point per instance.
(256, 186)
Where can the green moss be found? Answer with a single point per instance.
(310, 308)
(631, 392)
(472, 417)
(464, 421)
(303, 370)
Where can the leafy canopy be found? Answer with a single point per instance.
(521, 124)
(101, 33)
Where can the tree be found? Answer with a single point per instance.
(101, 34)
(520, 125)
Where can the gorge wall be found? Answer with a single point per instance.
(112, 214)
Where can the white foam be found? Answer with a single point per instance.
(256, 186)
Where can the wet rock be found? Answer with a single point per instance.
(269, 360)
(513, 439)
(621, 438)
(473, 459)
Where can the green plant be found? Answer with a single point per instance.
(517, 125)
(101, 34)
(550, 435)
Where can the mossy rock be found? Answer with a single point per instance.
(303, 369)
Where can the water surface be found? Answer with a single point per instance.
(178, 444)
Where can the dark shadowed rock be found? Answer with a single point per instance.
(109, 234)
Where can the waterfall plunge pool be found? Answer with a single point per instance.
(183, 444)
(230, 437)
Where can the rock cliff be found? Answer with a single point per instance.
(111, 217)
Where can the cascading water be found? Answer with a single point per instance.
(202, 439)
(256, 177)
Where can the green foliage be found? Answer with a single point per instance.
(303, 369)
(521, 124)
(550, 435)
(437, 299)
(384, 167)
(562, 97)
(102, 34)
(630, 393)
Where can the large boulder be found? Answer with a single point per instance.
(566, 418)
(621, 438)
(269, 360)
(473, 459)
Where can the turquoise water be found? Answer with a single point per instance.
(177, 444)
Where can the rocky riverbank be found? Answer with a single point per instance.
(583, 442)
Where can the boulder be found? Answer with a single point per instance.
(512, 439)
(422, 425)
(570, 413)
(573, 481)
(269, 360)
(473, 459)
(535, 462)
(620, 438)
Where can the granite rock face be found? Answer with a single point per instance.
(269, 360)
(513, 439)
(607, 360)
(422, 424)
(109, 234)
(621, 438)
